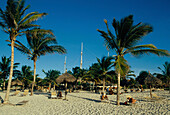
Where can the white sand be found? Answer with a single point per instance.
(86, 103)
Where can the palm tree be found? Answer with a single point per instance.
(125, 41)
(40, 43)
(93, 74)
(78, 74)
(166, 73)
(14, 22)
(51, 77)
(25, 76)
(105, 68)
(5, 68)
(142, 76)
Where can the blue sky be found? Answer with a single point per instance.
(76, 21)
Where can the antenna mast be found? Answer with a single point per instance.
(65, 64)
(81, 56)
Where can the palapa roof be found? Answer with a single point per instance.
(150, 79)
(16, 82)
(65, 77)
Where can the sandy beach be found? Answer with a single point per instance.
(86, 103)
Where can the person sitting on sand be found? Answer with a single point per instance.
(59, 94)
(130, 100)
(103, 96)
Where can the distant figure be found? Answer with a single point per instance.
(103, 96)
(59, 94)
(130, 100)
(141, 88)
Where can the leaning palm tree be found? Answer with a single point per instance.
(125, 41)
(14, 22)
(5, 68)
(105, 68)
(39, 43)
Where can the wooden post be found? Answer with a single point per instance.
(150, 91)
(65, 90)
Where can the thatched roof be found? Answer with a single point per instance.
(16, 82)
(150, 79)
(65, 77)
(30, 85)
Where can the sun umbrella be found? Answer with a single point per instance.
(151, 80)
(16, 82)
(66, 77)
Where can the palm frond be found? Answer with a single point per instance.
(139, 47)
(159, 52)
(34, 17)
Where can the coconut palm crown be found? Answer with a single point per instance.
(14, 22)
(125, 40)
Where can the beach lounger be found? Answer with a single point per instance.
(53, 95)
(26, 92)
(16, 93)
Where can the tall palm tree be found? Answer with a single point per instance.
(51, 77)
(39, 43)
(14, 22)
(105, 68)
(5, 68)
(166, 73)
(125, 41)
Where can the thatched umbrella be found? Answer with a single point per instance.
(66, 77)
(151, 80)
(16, 82)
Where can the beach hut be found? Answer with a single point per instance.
(152, 81)
(66, 77)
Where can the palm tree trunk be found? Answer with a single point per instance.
(34, 77)
(65, 90)
(4, 84)
(118, 89)
(93, 86)
(49, 87)
(6, 100)
(150, 91)
(103, 84)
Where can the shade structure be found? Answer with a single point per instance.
(150, 79)
(66, 77)
(16, 82)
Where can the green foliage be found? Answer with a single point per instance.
(39, 43)
(13, 19)
(51, 76)
(125, 40)
(5, 67)
(165, 76)
(26, 75)
(141, 77)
